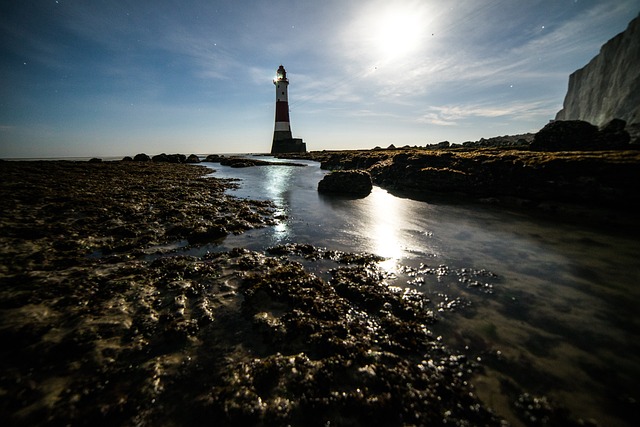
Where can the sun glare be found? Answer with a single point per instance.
(397, 34)
(384, 32)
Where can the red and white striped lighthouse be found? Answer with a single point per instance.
(283, 142)
(282, 130)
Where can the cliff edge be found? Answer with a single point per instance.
(608, 87)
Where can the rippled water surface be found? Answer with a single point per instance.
(547, 308)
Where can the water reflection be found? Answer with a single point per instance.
(277, 185)
(387, 220)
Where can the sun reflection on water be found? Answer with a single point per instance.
(277, 185)
(386, 214)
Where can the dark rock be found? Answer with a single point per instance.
(634, 133)
(391, 147)
(161, 158)
(127, 159)
(346, 182)
(578, 135)
(193, 159)
(243, 162)
(340, 161)
(602, 178)
(142, 158)
(506, 141)
(614, 135)
(169, 158)
(95, 160)
(214, 158)
(239, 162)
(440, 145)
(207, 234)
(567, 135)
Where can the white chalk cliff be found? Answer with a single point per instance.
(608, 86)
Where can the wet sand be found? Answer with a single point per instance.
(104, 321)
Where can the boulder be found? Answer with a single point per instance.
(214, 158)
(613, 135)
(238, 162)
(127, 159)
(95, 160)
(578, 135)
(349, 182)
(142, 158)
(569, 135)
(170, 158)
(193, 159)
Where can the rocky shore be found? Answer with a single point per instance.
(549, 181)
(103, 321)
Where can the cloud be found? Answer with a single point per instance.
(474, 48)
(451, 115)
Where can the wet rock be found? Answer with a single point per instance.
(193, 159)
(521, 177)
(540, 411)
(206, 234)
(243, 162)
(114, 208)
(214, 158)
(357, 183)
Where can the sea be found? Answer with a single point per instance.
(548, 307)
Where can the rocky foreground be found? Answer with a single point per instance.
(102, 323)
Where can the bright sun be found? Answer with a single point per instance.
(396, 34)
(385, 32)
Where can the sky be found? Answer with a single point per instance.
(99, 78)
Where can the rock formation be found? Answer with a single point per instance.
(350, 182)
(142, 158)
(608, 87)
(578, 135)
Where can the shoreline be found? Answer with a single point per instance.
(594, 188)
(108, 321)
(101, 330)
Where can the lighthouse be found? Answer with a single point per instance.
(283, 142)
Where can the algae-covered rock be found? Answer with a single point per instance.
(349, 182)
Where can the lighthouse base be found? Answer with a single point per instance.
(292, 145)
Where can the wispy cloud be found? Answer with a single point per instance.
(451, 115)
(478, 53)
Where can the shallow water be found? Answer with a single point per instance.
(548, 308)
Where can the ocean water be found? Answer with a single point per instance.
(548, 308)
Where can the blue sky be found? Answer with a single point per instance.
(115, 78)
